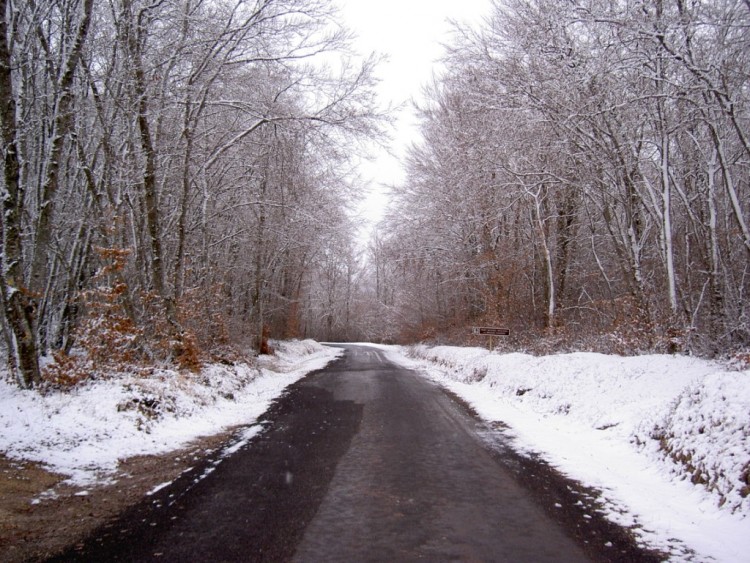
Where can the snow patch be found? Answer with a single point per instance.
(158, 488)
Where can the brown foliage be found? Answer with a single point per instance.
(66, 371)
(199, 316)
(107, 337)
(265, 347)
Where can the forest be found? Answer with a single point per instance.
(582, 180)
(179, 179)
(177, 175)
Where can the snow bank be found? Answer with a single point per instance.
(667, 438)
(83, 433)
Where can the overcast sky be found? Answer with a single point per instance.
(410, 34)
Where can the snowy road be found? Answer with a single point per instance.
(363, 461)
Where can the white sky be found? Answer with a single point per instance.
(411, 34)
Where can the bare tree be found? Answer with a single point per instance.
(607, 139)
(160, 157)
(56, 32)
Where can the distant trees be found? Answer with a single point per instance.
(584, 174)
(175, 160)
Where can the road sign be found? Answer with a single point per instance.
(490, 331)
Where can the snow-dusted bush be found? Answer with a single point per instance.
(706, 433)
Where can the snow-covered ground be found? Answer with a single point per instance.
(83, 433)
(665, 438)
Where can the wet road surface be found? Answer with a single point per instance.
(362, 461)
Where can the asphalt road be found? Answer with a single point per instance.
(364, 461)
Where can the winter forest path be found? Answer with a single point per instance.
(361, 461)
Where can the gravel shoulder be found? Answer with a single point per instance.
(40, 515)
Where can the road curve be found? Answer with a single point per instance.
(361, 461)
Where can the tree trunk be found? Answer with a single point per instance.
(666, 227)
(150, 197)
(60, 128)
(548, 268)
(19, 306)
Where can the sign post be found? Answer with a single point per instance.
(490, 331)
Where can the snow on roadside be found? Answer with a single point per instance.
(84, 433)
(666, 438)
